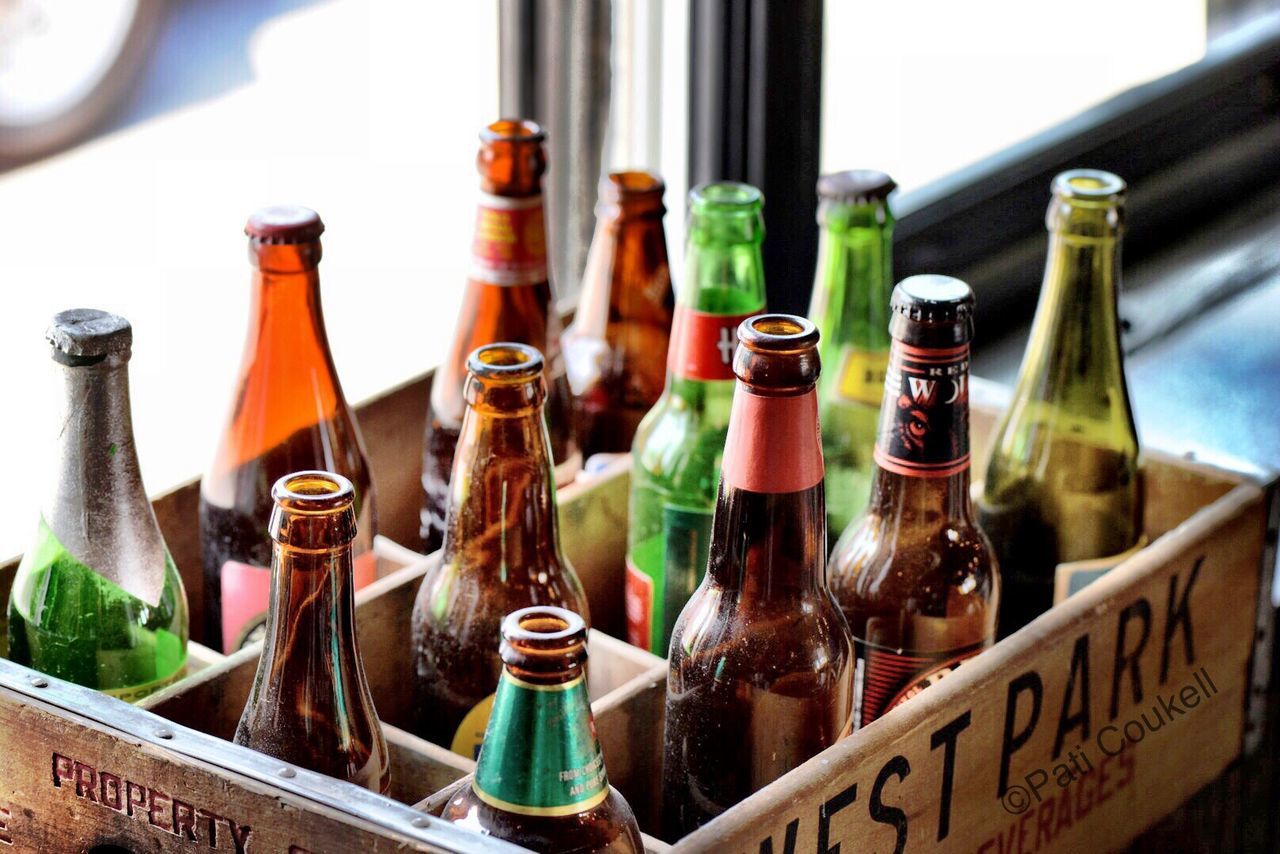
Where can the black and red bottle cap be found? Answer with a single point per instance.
(932, 310)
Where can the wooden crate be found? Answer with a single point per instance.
(939, 755)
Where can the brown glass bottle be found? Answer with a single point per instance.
(501, 548)
(288, 414)
(613, 349)
(508, 298)
(540, 781)
(761, 658)
(914, 574)
(310, 704)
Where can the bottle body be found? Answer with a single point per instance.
(289, 414)
(540, 781)
(310, 703)
(97, 599)
(851, 309)
(508, 297)
(1062, 485)
(761, 658)
(501, 550)
(624, 316)
(678, 447)
(915, 575)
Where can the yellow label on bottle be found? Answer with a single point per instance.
(862, 375)
(1073, 576)
(470, 733)
(134, 693)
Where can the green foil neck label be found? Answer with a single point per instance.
(540, 754)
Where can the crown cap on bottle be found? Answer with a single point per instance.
(86, 336)
(932, 311)
(856, 186)
(284, 224)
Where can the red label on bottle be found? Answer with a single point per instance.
(702, 344)
(246, 598)
(774, 444)
(510, 245)
(885, 678)
(638, 596)
(924, 419)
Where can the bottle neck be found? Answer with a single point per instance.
(502, 509)
(769, 532)
(540, 754)
(851, 292)
(922, 444)
(626, 278)
(1074, 350)
(98, 508)
(310, 643)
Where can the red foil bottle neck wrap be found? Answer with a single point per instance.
(924, 419)
(510, 245)
(774, 443)
(702, 344)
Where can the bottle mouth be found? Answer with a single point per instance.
(513, 130)
(544, 638)
(313, 492)
(635, 182)
(728, 196)
(505, 362)
(779, 333)
(1093, 185)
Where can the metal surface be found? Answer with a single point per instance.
(755, 85)
(554, 68)
(138, 725)
(100, 512)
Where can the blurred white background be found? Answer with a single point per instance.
(368, 112)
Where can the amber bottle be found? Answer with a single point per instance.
(508, 298)
(310, 704)
(915, 575)
(614, 348)
(761, 658)
(540, 781)
(501, 548)
(288, 414)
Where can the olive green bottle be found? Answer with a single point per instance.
(677, 450)
(1062, 486)
(850, 307)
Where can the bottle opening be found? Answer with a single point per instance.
(1091, 184)
(636, 182)
(777, 332)
(314, 491)
(513, 130)
(544, 637)
(505, 361)
(730, 194)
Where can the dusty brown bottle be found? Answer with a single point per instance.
(508, 298)
(916, 577)
(501, 548)
(614, 348)
(540, 781)
(310, 704)
(288, 414)
(761, 658)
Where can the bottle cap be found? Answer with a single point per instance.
(283, 224)
(856, 186)
(86, 336)
(932, 310)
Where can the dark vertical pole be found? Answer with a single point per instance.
(755, 95)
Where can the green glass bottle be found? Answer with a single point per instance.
(540, 779)
(678, 446)
(851, 310)
(97, 600)
(1062, 485)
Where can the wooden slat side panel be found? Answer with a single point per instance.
(71, 784)
(392, 425)
(986, 706)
